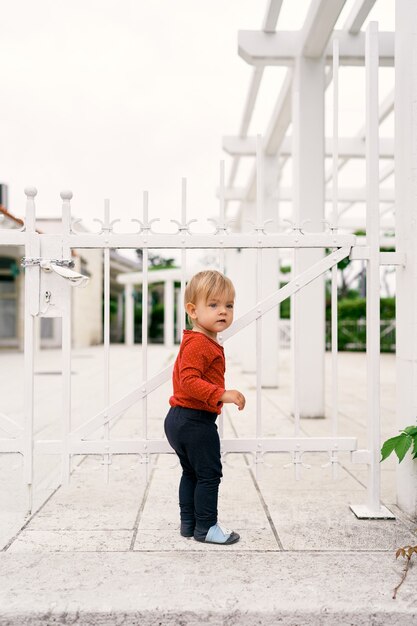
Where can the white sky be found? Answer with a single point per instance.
(111, 97)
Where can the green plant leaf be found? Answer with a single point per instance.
(414, 452)
(389, 445)
(410, 430)
(402, 446)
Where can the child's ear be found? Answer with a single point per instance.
(190, 308)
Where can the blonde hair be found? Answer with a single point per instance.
(208, 284)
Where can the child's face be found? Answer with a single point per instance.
(212, 316)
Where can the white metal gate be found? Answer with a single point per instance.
(47, 292)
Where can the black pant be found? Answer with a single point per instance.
(194, 437)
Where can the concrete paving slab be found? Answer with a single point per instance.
(108, 507)
(343, 534)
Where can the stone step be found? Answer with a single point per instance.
(193, 588)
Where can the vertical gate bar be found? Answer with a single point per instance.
(335, 160)
(258, 290)
(294, 298)
(32, 249)
(181, 311)
(373, 271)
(296, 369)
(66, 345)
(221, 260)
(29, 398)
(334, 226)
(145, 260)
(222, 214)
(107, 458)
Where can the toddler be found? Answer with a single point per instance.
(198, 396)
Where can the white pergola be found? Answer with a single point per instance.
(296, 132)
(308, 55)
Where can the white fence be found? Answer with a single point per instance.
(48, 282)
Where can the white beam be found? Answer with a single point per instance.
(260, 49)
(281, 48)
(345, 194)
(239, 146)
(319, 23)
(358, 15)
(251, 99)
(349, 147)
(271, 16)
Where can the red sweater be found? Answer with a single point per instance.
(198, 377)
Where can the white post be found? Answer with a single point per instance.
(169, 313)
(245, 282)
(308, 204)
(372, 269)
(106, 340)
(32, 249)
(181, 309)
(66, 197)
(334, 226)
(373, 508)
(129, 315)
(406, 233)
(270, 276)
(259, 294)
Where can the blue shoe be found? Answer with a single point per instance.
(218, 534)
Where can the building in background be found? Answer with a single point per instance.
(87, 302)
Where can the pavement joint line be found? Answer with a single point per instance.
(346, 469)
(265, 507)
(30, 518)
(141, 508)
(258, 491)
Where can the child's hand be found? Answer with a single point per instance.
(234, 396)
